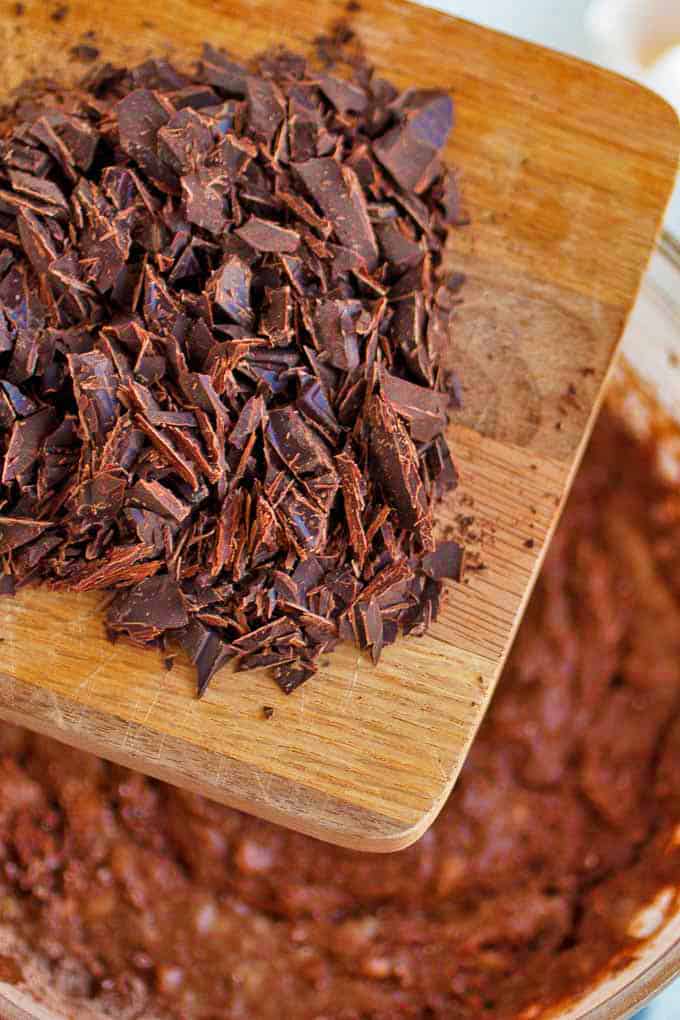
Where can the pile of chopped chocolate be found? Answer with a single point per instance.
(222, 328)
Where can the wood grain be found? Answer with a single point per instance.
(566, 171)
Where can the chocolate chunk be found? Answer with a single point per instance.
(140, 116)
(395, 462)
(447, 560)
(289, 677)
(38, 188)
(22, 406)
(232, 290)
(157, 604)
(423, 408)
(399, 249)
(264, 235)
(204, 199)
(335, 331)
(99, 498)
(157, 497)
(337, 192)
(276, 320)
(17, 531)
(302, 452)
(266, 107)
(409, 149)
(344, 96)
(94, 385)
(206, 651)
(184, 141)
(25, 443)
(252, 413)
(314, 403)
(217, 69)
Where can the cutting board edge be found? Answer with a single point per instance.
(52, 715)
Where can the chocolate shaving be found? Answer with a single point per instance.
(264, 235)
(223, 331)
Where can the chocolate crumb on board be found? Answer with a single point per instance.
(529, 543)
(267, 711)
(84, 52)
(222, 387)
(60, 12)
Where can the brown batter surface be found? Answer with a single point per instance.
(150, 902)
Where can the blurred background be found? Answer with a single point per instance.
(637, 38)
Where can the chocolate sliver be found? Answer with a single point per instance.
(231, 284)
(301, 450)
(423, 408)
(354, 502)
(264, 235)
(395, 463)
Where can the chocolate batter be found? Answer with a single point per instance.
(149, 902)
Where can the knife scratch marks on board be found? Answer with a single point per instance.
(346, 701)
(153, 702)
(56, 709)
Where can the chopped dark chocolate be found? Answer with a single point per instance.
(223, 378)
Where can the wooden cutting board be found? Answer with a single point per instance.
(566, 172)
